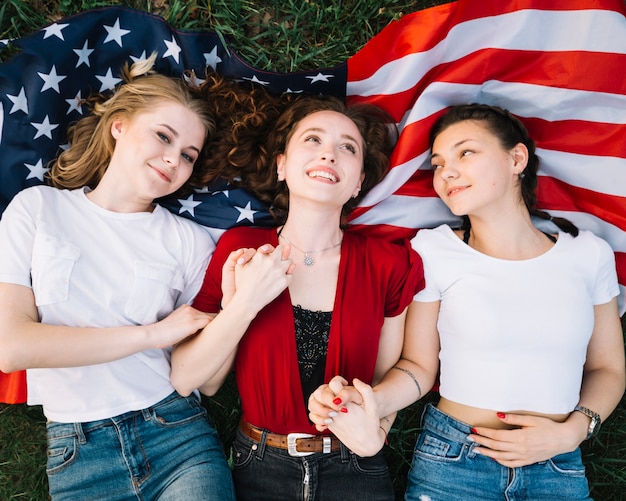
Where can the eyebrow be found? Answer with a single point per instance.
(176, 134)
(456, 145)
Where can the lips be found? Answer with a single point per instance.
(325, 174)
(455, 190)
(162, 174)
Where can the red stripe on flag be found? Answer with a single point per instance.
(553, 194)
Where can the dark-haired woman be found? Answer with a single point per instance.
(530, 340)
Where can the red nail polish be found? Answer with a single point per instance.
(474, 431)
(344, 410)
(501, 415)
(337, 401)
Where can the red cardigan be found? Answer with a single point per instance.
(377, 279)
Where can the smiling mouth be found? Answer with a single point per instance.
(454, 191)
(322, 174)
(161, 174)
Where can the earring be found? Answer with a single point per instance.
(521, 175)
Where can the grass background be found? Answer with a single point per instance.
(275, 35)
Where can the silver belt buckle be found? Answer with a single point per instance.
(291, 444)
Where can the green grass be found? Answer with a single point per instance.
(275, 35)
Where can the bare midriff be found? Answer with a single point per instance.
(475, 416)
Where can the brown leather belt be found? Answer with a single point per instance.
(297, 444)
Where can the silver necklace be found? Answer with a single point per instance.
(308, 258)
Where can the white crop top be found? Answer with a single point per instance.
(514, 334)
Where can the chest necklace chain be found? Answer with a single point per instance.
(308, 258)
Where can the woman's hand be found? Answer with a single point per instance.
(354, 420)
(535, 439)
(241, 257)
(178, 325)
(330, 399)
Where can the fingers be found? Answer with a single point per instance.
(366, 392)
(337, 384)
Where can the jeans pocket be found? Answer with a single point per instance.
(436, 447)
(568, 464)
(178, 411)
(243, 451)
(374, 465)
(62, 452)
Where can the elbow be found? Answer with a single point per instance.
(180, 385)
(9, 361)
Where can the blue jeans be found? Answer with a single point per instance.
(268, 473)
(445, 467)
(167, 452)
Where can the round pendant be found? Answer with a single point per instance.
(308, 260)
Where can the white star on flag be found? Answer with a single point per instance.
(51, 80)
(115, 33)
(212, 59)
(56, 30)
(83, 55)
(36, 171)
(320, 78)
(246, 213)
(19, 102)
(44, 128)
(173, 49)
(75, 104)
(188, 205)
(143, 57)
(256, 80)
(108, 80)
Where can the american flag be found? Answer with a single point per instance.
(557, 65)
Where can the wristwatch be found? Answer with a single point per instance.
(594, 424)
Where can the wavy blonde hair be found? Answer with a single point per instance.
(91, 142)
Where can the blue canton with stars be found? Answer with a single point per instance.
(42, 89)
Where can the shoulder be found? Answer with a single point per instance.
(385, 253)
(193, 233)
(589, 240)
(586, 241)
(428, 237)
(41, 197)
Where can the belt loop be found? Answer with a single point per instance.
(260, 452)
(78, 428)
(146, 413)
(345, 453)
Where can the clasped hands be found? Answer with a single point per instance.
(351, 413)
(262, 273)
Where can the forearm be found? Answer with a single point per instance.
(404, 384)
(601, 392)
(204, 360)
(34, 345)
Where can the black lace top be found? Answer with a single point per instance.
(312, 331)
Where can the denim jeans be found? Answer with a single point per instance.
(167, 452)
(268, 473)
(445, 467)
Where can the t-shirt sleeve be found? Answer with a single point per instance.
(430, 292)
(17, 232)
(407, 278)
(606, 284)
(200, 248)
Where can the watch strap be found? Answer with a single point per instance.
(594, 425)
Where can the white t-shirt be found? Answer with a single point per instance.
(89, 267)
(514, 334)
